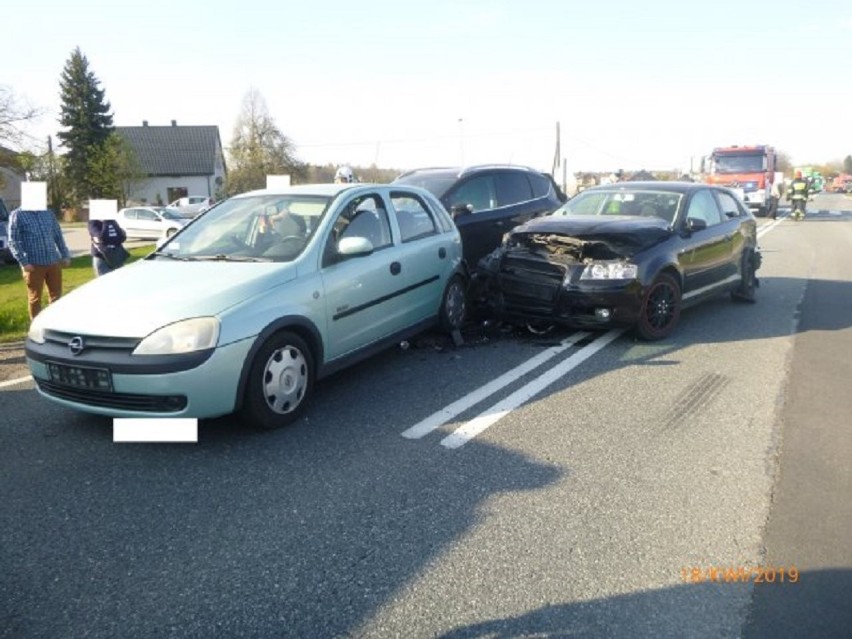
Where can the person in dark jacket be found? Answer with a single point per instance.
(107, 240)
(798, 192)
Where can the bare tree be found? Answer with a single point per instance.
(14, 114)
(258, 148)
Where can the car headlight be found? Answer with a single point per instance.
(36, 332)
(185, 336)
(610, 271)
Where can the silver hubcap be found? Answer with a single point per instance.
(285, 378)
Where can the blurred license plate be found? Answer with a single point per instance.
(80, 376)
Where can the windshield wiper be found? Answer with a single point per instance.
(171, 256)
(231, 258)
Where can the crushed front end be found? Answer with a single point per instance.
(550, 277)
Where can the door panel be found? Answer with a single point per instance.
(707, 252)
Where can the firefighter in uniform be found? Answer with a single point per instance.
(798, 194)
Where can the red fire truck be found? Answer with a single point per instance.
(750, 169)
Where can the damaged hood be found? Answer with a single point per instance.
(621, 235)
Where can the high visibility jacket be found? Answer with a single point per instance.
(799, 189)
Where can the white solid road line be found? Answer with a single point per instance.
(441, 417)
(502, 408)
(15, 382)
(763, 230)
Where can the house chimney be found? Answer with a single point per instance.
(174, 122)
(144, 122)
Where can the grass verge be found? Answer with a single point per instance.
(14, 320)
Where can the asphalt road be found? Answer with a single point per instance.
(590, 496)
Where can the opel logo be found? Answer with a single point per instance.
(76, 345)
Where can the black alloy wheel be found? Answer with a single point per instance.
(745, 292)
(660, 309)
(280, 381)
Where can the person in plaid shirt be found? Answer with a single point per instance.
(36, 241)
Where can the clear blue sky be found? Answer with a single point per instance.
(406, 84)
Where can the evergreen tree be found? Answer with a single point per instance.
(86, 116)
(847, 164)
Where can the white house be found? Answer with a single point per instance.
(10, 179)
(178, 161)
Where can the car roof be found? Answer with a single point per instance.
(327, 190)
(460, 171)
(651, 185)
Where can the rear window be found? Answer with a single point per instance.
(436, 182)
(540, 185)
(512, 187)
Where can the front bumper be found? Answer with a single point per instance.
(578, 305)
(208, 389)
(755, 198)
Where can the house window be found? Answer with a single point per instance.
(176, 193)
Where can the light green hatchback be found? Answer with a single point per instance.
(253, 301)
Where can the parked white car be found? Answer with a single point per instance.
(191, 205)
(150, 223)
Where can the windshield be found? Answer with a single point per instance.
(258, 228)
(624, 201)
(436, 182)
(170, 215)
(738, 163)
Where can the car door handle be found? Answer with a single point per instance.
(395, 268)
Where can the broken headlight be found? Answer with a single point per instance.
(610, 271)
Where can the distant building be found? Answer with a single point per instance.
(177, 161)
(10, 179)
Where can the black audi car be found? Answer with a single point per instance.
(626, 254)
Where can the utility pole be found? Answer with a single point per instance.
(54, 200)
(557, 156)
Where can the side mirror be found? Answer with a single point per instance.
(353, 246)
(694, 224)
(460, 210)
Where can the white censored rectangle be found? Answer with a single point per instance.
(33, 196)
(182, 430)
(277, 181)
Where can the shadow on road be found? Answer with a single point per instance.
(299, 532)
(815, 606)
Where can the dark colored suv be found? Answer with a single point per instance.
(487, 201)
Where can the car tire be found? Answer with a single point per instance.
(745, 291)
(170, 232)
(453, 305)
(659, 312)
(279, 382)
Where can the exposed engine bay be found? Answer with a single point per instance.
(562, 249)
